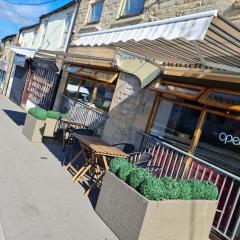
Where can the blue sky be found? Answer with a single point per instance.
(13, 17)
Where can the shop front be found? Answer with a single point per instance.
(201, 120)
(88, 94)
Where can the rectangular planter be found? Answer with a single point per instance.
(133, 217)
(50, 127)
(33, 129)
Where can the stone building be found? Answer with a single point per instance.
(131, 105)
(6, 60)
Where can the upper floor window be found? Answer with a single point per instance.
(132, 7)
(44, 31)
(96, 12)
(66, 29)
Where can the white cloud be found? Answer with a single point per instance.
(21, 15)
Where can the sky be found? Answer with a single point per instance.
(13, 17)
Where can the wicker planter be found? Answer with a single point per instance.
(131, 216)
(50, 127)
(33, 129)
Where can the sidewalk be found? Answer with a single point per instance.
(38, 200)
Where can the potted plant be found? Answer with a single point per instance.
(51, 122)
(137, 206)
(34, 124)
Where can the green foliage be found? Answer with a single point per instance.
(185, 191)
(203, 190)
(137, 176)
(164, 188)
(116, 163)
(153, 189)
(124, 171)
(38, 113)
(54, 115)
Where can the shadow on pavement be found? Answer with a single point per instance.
(17, 117)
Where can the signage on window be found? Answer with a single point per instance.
(228, 138)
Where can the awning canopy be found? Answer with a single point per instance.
(206, 38)
(28, 52)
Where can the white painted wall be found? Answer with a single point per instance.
(27, 37)
(52, 39)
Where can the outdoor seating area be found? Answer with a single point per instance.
(136, 104)
(88, 159)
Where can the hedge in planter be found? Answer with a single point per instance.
(173, 213)
(34, 124)
(51, 123)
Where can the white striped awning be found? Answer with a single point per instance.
(28, 52)
(204, 38)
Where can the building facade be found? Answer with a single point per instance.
(37, 47)
(130, 105)
(6, 61)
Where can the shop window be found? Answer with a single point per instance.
(178, 89)
(96, 12)
(132, 8)
(220, 142)
(222, 99)
(93, 93)
(95, 74)
(175, 123)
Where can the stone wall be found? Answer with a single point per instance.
(161, 9)
(129, 110)
(131, 105)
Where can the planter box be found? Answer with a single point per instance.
(33, 129)
(131, 216)
(50, 127)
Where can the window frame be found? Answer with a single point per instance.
(90, 12)
(181, 85)
(122, 8)
(203, 99)
(65, 29)
(95, 82)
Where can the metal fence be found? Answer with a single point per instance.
(80, 112)
(43, 87)
(172, 162)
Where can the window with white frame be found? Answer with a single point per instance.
(132, 8)
(34, 37)
(44, 33)
(95, 12)
(67, 24)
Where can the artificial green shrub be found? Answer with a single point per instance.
(185, 191)
(116, 163)
(137, 176)
(54, 115)
(124, 171)
(172, 186)
(153, 189)
(203, 190)
(38, 113)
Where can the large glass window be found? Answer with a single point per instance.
(132, 7)
(220, 142)
(175, 123)
(91, 92)
(222, 99)
(96, 12)
(178, 89)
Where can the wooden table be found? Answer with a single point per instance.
(98, 150)
(66, 124)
